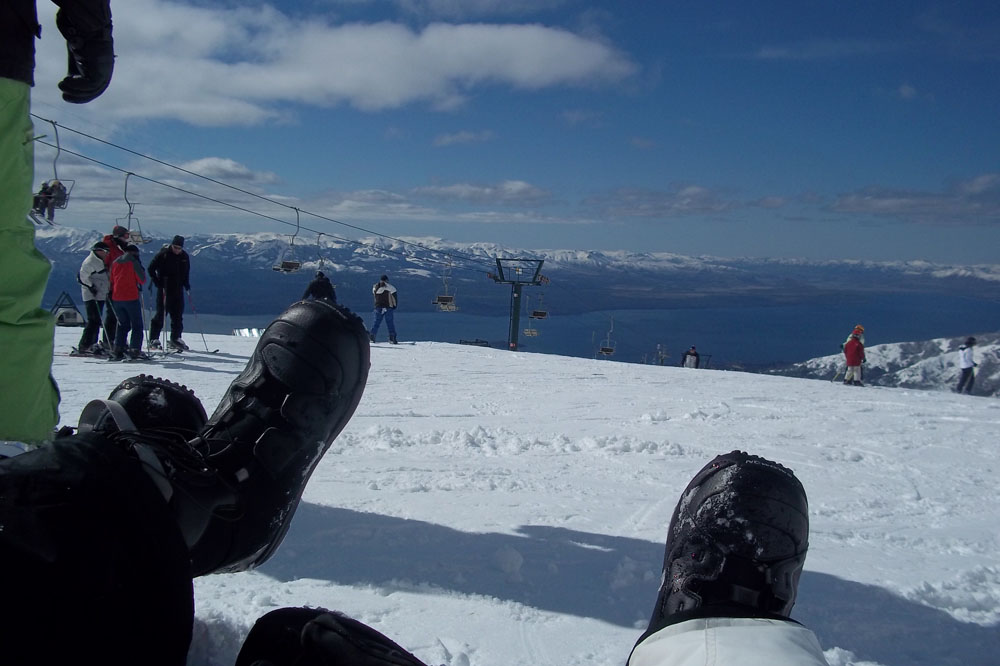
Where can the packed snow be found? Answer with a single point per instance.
(490, 508)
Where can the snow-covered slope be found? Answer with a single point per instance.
(932, 365)
(489, 508)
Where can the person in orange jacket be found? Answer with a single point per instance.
(127, 278)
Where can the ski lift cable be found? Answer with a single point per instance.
(465, 257)
(257, 213)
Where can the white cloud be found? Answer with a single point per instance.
(464, 136)
(976, 201)
(906, 91)
(679, 201)
(245, 66)
(823, 49)
(225, 169)
(506, 192)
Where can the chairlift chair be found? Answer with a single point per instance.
(289, 264)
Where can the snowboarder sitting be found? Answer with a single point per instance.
(320, 287)
(111, 524)
(967, 365)
(854, 354)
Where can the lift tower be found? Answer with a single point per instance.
(517, 273)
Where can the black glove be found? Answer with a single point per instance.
(91, 53)
(93, 289)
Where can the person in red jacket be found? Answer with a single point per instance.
(127, 278)
(116, 241)
(854, 353)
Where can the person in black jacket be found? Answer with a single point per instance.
(320, 287)
(170, 271)
(691, 358)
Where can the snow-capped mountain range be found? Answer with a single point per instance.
(769, 303)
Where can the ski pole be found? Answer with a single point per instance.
(201, 330)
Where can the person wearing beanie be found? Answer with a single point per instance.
(116, 241)
(320, 287)
(94, 285)
(127, 278)
(385, 304)
(170, 272)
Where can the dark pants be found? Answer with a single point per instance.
(89, 337)
(96, 569)
(171, 302)
(129, 314)
(110, 321)
(966, 381)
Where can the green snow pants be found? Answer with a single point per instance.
(29, 399)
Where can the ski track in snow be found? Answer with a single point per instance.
(486, 507)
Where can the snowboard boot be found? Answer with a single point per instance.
(319, 636)
(392, 339)
(233, 483)
(736, 544)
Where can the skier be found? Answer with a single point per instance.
(691, 358)
(854, 354)
(726, 592)
(127, 278)
(170, 272)
(116, 241)
(967, 365)
(29, 406)
(320, 287)
(94, 285)
(385, 304)
(106, 528)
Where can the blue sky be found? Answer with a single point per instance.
(849, 130)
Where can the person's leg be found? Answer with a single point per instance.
(971, 381)
(89, 335)
(390, 324)
(735, 548)
(175, 305)
(379, 315)
(29, 407)
(156, 323)
(123, 324)
(97, 571)
(110, 321)
(138, 329)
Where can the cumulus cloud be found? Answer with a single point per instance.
(679, 201)
(461, 9)
(246, 65)
(976, 201)
(506, 192)
(225, 169)
(464, 136)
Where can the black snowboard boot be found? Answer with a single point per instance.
(736, 543)
(318, 637)
(234, 482)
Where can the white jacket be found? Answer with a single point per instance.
(725, 641)
(94, 273)
(965, 357)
